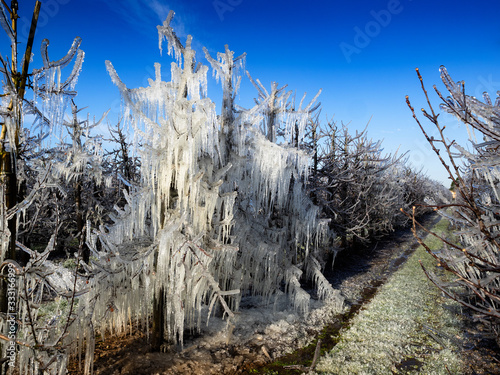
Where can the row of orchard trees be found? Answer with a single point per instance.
(362, 189)
(196, 211)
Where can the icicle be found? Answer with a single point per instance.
(166, 31)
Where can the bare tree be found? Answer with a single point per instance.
(28, 161)
(121, 161)
(358, 185)
(474, 258)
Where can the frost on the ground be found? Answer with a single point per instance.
(405, 320)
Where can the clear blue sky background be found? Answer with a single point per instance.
(306, 44)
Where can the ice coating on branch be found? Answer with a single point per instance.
(488, 115)
(51, 89)
(165, 31)
(61, 63)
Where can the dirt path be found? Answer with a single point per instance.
(263, 336)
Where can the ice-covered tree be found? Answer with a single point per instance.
(82, 175)
(12, 111)
(212, 218)
(35, 169)
(351, 186)
(361, 189)
(473, 256)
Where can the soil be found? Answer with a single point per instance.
(268, 342)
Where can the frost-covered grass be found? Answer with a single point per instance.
(405, 329)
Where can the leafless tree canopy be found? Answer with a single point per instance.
(473, 257)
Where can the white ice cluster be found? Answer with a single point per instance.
(52, 92)
(220, 212)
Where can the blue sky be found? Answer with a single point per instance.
(362, 54)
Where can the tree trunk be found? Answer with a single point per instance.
(79, 221)
(8, 172)
(8, 182)
(158, 321)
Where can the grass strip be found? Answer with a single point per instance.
(409, 327)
